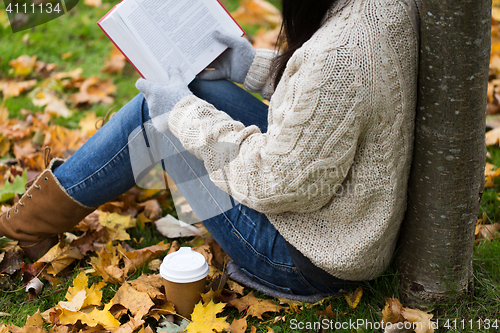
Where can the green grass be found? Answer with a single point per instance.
(77, 32)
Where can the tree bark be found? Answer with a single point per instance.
(434, 256)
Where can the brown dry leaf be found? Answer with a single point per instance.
(257, 12)
(138, 303)
(152, 285)
(11, 88)
(420, 319)
(115, 63)
(130, 326)
(253, 329)
(234, 286)
(87, 124)
(23, 65)
(137, 258)
(44, 69)
(256, 306)
(58, 258)
(239, 325)
(93, 91)
(203, 319)
(152, 209)
(354, 298)
(392, 311)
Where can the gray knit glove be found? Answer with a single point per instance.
(162, 97)
(234, 63)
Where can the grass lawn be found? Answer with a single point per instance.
(77, 35)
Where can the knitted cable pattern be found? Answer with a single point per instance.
(331, 172)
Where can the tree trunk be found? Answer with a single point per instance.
(434, 256)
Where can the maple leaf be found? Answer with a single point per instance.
(93, 318)
(421, 320)
(34, 324)
(23, 65)
(93, 294)
(239, 325)
(106, 263)
(138, 303)
(152, 285)
(255, 306)
(203, 319)
(392, 311)
(58, 258)
(234, 286)
(354, 298)
(116, 225)
(138, 258)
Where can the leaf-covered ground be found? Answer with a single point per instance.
(57, 81)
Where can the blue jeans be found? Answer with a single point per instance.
(101, 170)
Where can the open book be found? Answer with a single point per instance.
(155, 35)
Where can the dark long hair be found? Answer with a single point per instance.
(301, 19)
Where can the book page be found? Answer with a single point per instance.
(153, 40)
(178, 33)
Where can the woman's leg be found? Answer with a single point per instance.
(101, 170)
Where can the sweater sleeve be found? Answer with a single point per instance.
(259, 78)
(309, 146)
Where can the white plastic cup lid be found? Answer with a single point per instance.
(184, 266)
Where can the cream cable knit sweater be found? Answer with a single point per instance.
(331, 172)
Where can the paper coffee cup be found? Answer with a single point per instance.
(184, 272)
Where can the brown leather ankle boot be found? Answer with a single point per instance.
(44, 211)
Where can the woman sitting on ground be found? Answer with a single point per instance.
(311, 191)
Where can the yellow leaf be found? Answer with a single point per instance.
(35, 320)
(58, 258)
(23, 65)
(93, 318)
(87, 124)
(354, 298)
(93, 294)
(204, 319)
(116, 225)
